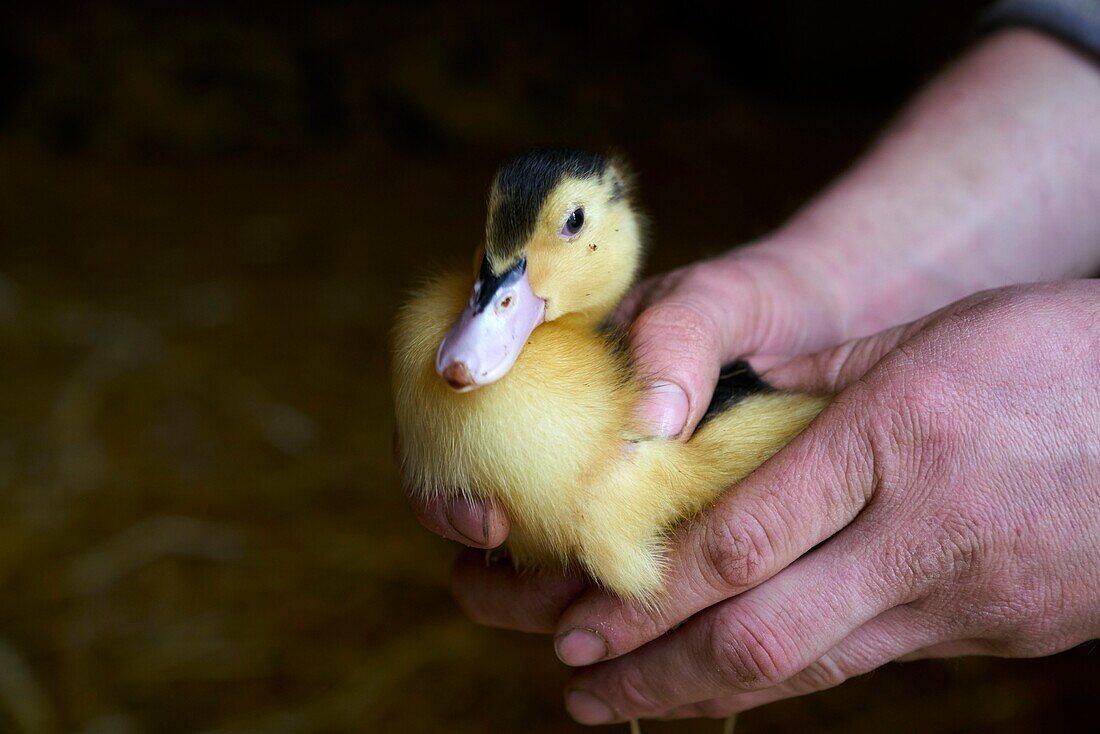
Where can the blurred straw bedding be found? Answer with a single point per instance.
(208, 215)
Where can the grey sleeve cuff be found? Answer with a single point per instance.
(1075, 21)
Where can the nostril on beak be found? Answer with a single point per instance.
(458, 375)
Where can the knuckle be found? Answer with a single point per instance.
(1008, 619)
(920, 400)
(748, 654)
(734, 554)
(1012, 306)
(917, 430)
(945, 553)
(954, 548)
(845, 456)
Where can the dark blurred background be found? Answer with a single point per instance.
(208, 214)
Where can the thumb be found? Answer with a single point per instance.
(688, 323)
(677, 353)
(832, 370)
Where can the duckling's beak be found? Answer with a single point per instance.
(489, 335)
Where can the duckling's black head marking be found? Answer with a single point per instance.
(488, 282)
(521, 188)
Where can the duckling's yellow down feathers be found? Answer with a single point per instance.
(556, 443)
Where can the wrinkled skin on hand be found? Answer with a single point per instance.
(955, 477)
(950, 496)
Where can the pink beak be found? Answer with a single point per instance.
(490, 333)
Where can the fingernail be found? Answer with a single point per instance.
(470, 519)
(580, 646)
(588, 708)
(664, 409)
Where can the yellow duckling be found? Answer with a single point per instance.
(515, 393)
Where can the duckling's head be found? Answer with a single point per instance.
(562, 240)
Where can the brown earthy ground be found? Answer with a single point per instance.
(207, 218)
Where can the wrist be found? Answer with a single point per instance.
(871, 266)
(988, 178)
(857, 267)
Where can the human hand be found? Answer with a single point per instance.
(954, 489)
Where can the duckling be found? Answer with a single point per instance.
(518, 392)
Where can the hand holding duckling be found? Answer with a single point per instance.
(952, 492)
(1007, 380)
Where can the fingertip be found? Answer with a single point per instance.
(579, 646)
(429, 512)
(469, 521)
(469, 518)
(495, 525)
(587, 708)
(664, 410)
(676, 353)
(600, 626)
(480, 522)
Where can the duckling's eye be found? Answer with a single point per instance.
(573, 224)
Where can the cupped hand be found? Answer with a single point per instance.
(946, 503)
(683, 326)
